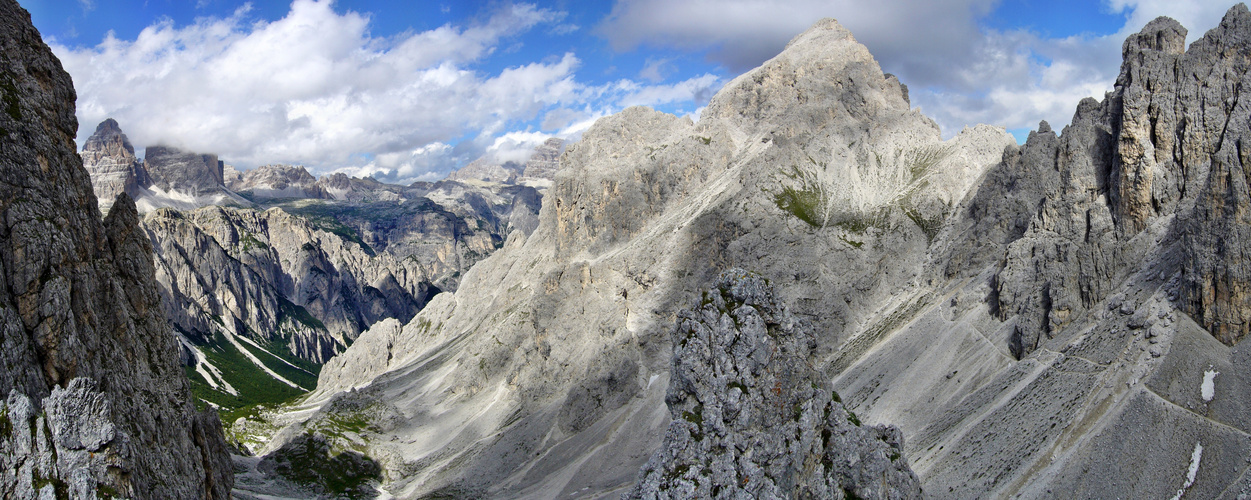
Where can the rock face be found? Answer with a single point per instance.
(110, 160)
(1159, 153)
(95, 403)
(173, 169)
(1060, 319)
(276, 278)
(752, 418)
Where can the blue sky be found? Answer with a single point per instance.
(407, 90)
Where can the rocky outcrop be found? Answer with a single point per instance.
(95, 403)
(110, 160)
(173, 169)
(277, 181)
(1063, 318)
(752, 418)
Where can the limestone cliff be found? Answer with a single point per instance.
(110, 160)
(95, 403)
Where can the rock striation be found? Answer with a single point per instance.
(95, 403)
(276, 278)
(752, 418)
(1063, 318)
(1159, 151)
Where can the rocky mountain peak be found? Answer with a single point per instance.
(110, 160)
(108, 140)
(796, 86)
(277, 181)
(1162, 34)
(543, 164)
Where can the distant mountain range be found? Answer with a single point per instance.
(267, 273)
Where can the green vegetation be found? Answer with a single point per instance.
(309, 460)
(59, 488)
(929, 226)
(6, 425)
(863, 194)
(299, 313)
(11, 105)
(249, 242)
(253, 384)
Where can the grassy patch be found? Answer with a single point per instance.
(11, 105)
(929, 226)
(249, 242)
(253, 384)
(300, 314)
(309, 460)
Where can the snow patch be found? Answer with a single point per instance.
(1208, 389)
(1194, 469)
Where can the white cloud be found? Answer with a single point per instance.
(959, 72)
(314, 87)
(656, 70)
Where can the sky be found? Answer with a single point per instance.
(406, 90)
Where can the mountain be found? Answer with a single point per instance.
(543, 163)
(110, 160)
(262, 299)
(276, 181)
(485, 170)
(537, 171)
(1063, 318)
(95, 403)
(544, 374)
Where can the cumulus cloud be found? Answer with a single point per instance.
(314, 87)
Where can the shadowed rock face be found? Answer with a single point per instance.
(172, 169)
(751, 417)
(557, 346)
(95, 401)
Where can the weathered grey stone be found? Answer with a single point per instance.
(752, 419)
(545, 161)
(246, 271)
(96, 400)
